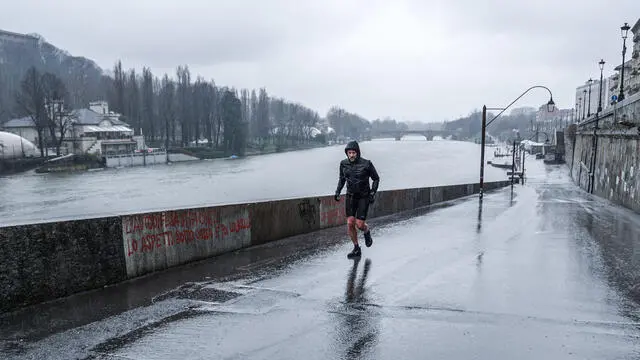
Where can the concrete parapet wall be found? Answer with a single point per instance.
(157, 241)
(611, 170)
(41, 262)
(614, 173)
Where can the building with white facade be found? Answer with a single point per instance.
(523, 110)
(98, 130)
(586, 104)
(95, 130)
(634, 74)
(552, 121)
(631, 66)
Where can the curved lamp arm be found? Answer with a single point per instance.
(550, 103)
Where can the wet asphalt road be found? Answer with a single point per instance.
(545, 272)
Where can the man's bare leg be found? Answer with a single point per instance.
(351, 229)
(362, 225)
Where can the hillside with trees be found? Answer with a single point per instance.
(469, 127)
(171, 110)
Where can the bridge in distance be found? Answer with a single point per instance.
(428, 134)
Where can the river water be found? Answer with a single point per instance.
(413, 162)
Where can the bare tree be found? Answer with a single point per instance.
(167, 109)
(217, 113)
(119, 87)
(5, 100)
(263, 116)
(132, 101)
(31, 101)
(253, 121)
(63, 120)
(184, 103)
(148, 113)
(55, 93)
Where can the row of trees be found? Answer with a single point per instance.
(184, 112)
(177, 109)
(354, 126)
(187, 113)
(470, 126)
(180, 112)
(201, 110)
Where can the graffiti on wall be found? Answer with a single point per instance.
(332, 213)
(147, 233)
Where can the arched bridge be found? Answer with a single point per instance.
(398, 134)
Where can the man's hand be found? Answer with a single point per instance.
(372, 197)
(337, 196)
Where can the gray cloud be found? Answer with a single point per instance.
(410, 59)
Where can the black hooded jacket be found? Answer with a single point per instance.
(356, 174)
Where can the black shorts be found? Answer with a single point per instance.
(357, 206)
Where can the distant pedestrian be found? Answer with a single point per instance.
(356, 171)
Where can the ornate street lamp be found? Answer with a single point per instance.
(590, 81)
(624, 29)
(550, 108)
(584, 103)
(601, 63)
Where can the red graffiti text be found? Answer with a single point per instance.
(177, 229)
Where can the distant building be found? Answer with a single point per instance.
(631, 66)
(98, 130)
(551, 121)
(524, 110)
(95, 130)
(23, 127)
(586, 103)
(13, 146)
(634, 74)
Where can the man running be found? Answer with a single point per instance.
(355, 171)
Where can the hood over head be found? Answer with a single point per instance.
(353, 145)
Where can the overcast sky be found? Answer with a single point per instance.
(414, 60)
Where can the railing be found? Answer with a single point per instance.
(137, 154)
(116, 141)
(90, 148)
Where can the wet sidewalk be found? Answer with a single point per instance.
(545, 271)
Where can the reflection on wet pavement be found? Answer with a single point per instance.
(358, 322)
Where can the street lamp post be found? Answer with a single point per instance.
(516, 139)
(550, 108)
(625, 30)
(601, 63)
(590, 81)
(584, 104)
(594, 145)
(594, 153)
(524, 155)
(513, 162)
